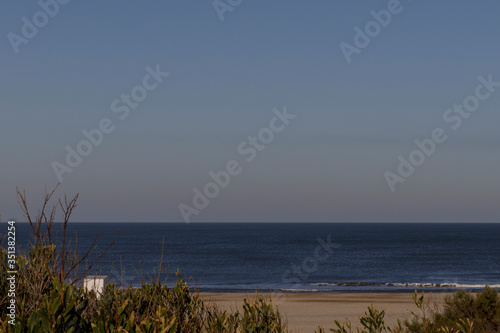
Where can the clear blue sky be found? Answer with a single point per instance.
(353, 119)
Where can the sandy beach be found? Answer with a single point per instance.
(305, 311)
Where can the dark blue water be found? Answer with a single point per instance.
(289, 257)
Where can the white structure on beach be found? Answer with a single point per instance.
(96, 283)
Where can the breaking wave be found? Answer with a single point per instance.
(404, 285)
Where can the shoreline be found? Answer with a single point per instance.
(305, 311)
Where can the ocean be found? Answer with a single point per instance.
(296, 257)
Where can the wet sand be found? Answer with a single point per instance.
(305, 311)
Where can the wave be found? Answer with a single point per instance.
(327, 287)
(293, 290)
(410, 284)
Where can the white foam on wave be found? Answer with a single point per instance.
(410, 284)
(300, 290)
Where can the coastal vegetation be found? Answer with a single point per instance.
(462, 312)
(50, 297)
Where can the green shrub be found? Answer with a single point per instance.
(372, 322)
(482, 311)
(60, 310)
(260, 316)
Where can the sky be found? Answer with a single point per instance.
(306, 111)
